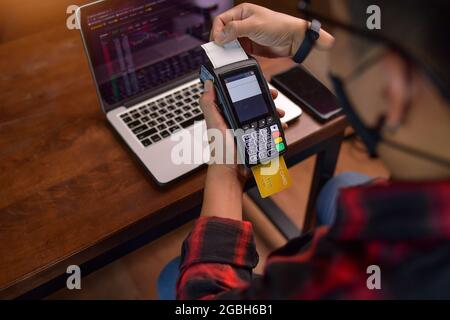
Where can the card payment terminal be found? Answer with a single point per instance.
(244, 98)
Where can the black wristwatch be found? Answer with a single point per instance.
(311, 36)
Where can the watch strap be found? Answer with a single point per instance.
(311, 36)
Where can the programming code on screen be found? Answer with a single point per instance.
(140, 45)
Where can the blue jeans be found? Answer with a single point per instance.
(326, 214)
(167, 280)
(326, 206)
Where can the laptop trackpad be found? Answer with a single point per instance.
(175, 156)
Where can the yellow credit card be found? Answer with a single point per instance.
(272, 177)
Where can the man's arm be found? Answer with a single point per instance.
(223, 192)
(217, 257)
(219, 254)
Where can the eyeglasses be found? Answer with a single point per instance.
(380, 39)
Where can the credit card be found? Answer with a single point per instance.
(272, 177)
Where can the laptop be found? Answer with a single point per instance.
(145, 57)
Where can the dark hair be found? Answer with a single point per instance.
(421, 27)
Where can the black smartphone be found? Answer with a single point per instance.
(304, 89)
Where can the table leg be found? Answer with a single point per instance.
(327, 155)
(274, 213)
(324, 170)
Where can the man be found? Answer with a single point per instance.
(394, 87)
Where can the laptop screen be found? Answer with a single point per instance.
(138, 46)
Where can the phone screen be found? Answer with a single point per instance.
(300, 85)
(246, 96)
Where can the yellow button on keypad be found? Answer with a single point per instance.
(278, 140)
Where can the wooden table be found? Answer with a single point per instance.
(70, 193)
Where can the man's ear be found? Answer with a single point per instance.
(398, 90)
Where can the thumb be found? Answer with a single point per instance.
(208, 105)
(207, 100)
(233, 30)
(209, 96)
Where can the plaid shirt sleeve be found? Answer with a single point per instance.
(217, 256)
(402, 228)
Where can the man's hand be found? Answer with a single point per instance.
(264, 32)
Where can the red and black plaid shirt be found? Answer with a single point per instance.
(403, 228)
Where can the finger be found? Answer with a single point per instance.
(211, 112)
(236, 13)
(284, 125)
(274, 93)
(216, 28)
(281, 112)
(235, 29)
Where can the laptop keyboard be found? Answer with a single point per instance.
(158, 119)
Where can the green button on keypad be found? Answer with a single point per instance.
(280, 147)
